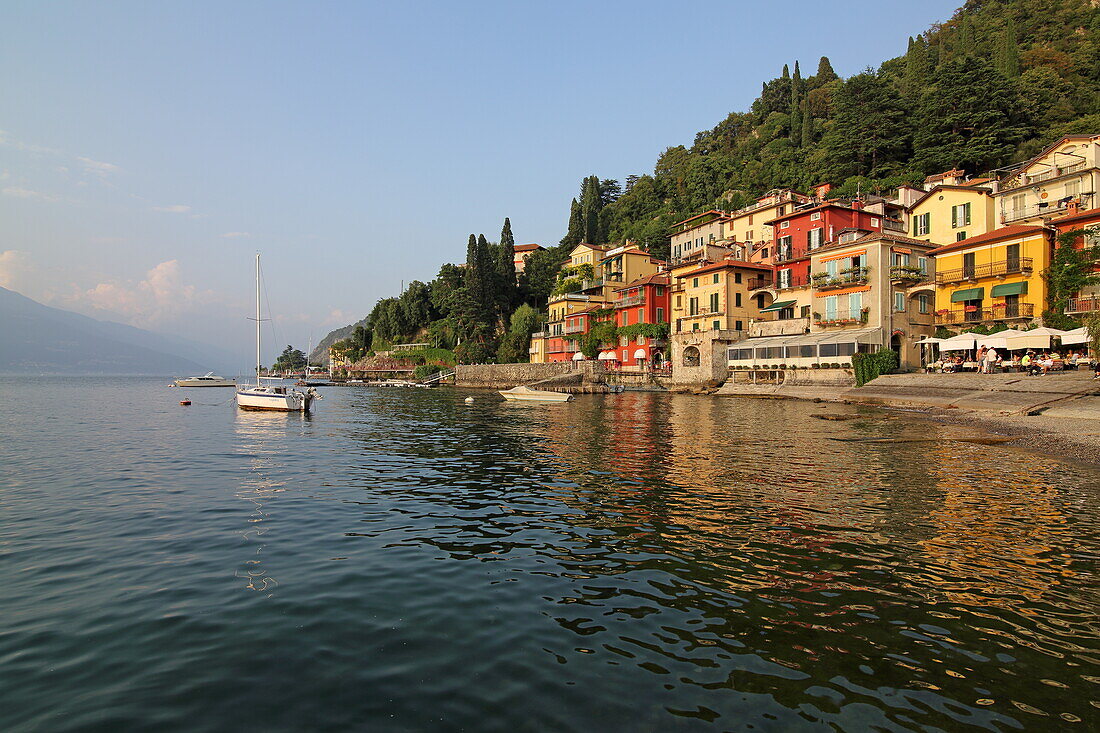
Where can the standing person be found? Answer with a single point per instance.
(990, 360)
(980, 358)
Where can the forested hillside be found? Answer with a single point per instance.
(987, 88)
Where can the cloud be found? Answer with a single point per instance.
(97, 167)
(14, 266)
(26, 193)
(235, 235)
(159, 297)
(173, 209)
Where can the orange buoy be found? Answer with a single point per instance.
(185, 402)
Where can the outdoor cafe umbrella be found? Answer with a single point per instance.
(997, 340)
(1037, 338)
(962, 342)
(606, 356)
(1076, 336)
(578, 356)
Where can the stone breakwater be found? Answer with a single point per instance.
(547, 376)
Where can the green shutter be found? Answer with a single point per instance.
(966, 213)
(954, 216)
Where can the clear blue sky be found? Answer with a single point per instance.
(150, 148)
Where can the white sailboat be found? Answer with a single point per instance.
(269, 397)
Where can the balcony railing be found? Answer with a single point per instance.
(755, 283)
(576, 329)
(1032, 210)
(840, 317)
(907, 274)
(1006, 312)
(894, 225)
(800, 280)
(1017, 266)
(1089, 304)
(700, 312)
(823, 281)
(629, 301)
(787, 255)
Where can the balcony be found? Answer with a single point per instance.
(843, 279)
(789, 255)
(755, 283)
(632, 300)
(794, 281)
(1020, 179)
(894, 225)
(1089, 304)
(576, 329)
(907, 274)
(841, 317)
(999, 312)
(1041, 209)
(1020, 265)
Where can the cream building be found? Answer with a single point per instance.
(1043, 187)
(950, 213)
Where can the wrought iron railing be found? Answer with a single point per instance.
(1015, 266)
(1088, 304)
(1005, 312)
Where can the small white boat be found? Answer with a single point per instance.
(398, 383)
(526, 394)
(208, 380)
(270, 397)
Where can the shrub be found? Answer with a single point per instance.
(870, 366)
(425, 370)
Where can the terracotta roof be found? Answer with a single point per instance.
(658, 278)
(997, 235)
(1080, 215)
(726, 264)
(526, 247)
(971, 187)
(599, 247)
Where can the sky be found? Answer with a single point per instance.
(148, 150)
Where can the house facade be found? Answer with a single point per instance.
(950, 213)
(993, 278)
(689, 235)
(522, 252)
(641, 309)
(1087, 300)
(1065, 172)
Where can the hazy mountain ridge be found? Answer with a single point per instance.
(39, 339)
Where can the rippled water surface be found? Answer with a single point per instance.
(404, 561)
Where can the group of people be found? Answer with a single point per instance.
(989, 361)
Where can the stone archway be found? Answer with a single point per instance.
(691, 356)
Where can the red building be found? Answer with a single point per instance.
(804, 230)
(643, 301)
(1088, 300)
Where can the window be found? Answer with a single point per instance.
(714, 280)
(748, 235)
(830, 308)
(815, 238)
(623, 341)
(921, 224)
(679, 302)
(764, 253)
(740, 354)
(641, 315)
(785, 224)
(816, 216)
(641, 341)
(714, 302)
(900, 259)
(1073, 187)
(784, 278)
(831, 267)
(659, 290)
(1019, 203)
(855, 304)
(960, 236)
(960, 215)
(736, 277)
(660, 315)
(783, 248)
(805, 311)
(694, 282)
(717, 325)
(736, 299)
(874, 222)
(922, 263)
(739, 325)
(924, 303)
(695, 326)
(899, 302)
(693, 306)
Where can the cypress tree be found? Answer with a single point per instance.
(1007, 55)
(807, 130)
(916, 68)
(506, 271)
(796, 106)
(576, 226)
(786, 72)
(825, 73)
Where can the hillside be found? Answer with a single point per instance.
(37, 339)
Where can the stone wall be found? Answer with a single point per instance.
(506, 376)
(706, 347)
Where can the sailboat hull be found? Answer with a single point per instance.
(274, 401)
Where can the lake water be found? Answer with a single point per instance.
(403, 561)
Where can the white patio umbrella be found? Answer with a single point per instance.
(1076, 336)
(962, 342)
(1037, 338)
(929, 340)
(578, 356)
(606, 356)
(997, 340)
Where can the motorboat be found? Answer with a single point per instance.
(262, 396)
(526, 394)
(207, 380)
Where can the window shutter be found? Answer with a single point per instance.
(915, 218)
(954, 216)
(966, 213)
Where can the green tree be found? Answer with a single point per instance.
(291, 359)
(869, 131)
(575, 233)
(825, 73)
(797, 90)
(917, 69)
(1006, 56)
(506, 292)
(1070, 271)
(969, 118)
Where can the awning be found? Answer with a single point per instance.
(578, 356)
(847, 336)
(962, 342)
(606, 356)
(1076, 336)
(970, 294)
(778, 306)
(1036, 338)
(858, 336)
(1000, 291)
(640, 354)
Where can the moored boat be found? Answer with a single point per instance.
(208, 380)
(526, 394)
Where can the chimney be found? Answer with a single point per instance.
(1072, 208)
(857, 204)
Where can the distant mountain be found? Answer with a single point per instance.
(319, 355)
(38, 339)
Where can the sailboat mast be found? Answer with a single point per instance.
(257, 318)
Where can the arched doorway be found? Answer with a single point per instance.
(691, 356)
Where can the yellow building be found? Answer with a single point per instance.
(716, 296)
(951, 213)
(992, 278)
(1065, 172)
